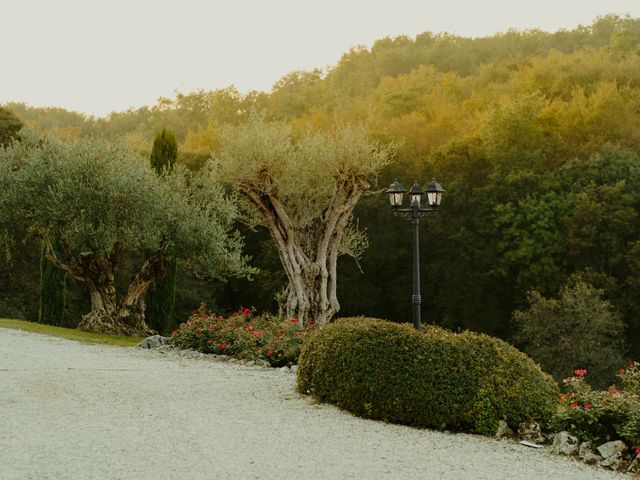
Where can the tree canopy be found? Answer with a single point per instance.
(304, 192)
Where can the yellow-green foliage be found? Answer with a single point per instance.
(432, 378)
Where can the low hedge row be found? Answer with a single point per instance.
(429, 378)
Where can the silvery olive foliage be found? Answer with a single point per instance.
(100, 198)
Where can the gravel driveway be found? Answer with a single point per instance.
(75, 411)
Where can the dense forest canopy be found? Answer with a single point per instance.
(535, 136)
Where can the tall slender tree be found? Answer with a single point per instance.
(53, 289)
(10, 125)
(164, 152)
(161, 301)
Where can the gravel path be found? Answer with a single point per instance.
(75, 411)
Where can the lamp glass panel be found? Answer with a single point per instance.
(415, 199)
(395, 199)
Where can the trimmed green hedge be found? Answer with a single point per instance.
(432, 378)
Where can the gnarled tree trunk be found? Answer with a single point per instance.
(107, 315)
(312, 290)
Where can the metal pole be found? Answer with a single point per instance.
(416, 299)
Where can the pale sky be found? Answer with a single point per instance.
(98, 56)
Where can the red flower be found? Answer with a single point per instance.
(222, 346)
(174, 332)
(574, 405)
(269, 352)
(637, 450)
(580, 372)
(246, 311)
(587, 405)
(621, 370)
(256, 333)
(294, 320)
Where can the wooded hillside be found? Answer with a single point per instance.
(534, 135)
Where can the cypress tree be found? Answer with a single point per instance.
(53, 291)
(161, 301)
(10, 125)
(164, 152)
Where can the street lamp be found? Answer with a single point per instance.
(434, 197)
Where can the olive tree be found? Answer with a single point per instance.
(100, 201)
(304, 191)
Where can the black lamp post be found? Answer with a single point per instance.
(434, 196)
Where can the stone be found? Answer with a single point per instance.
(585, 447)
(530, 432)
(609, 449)
(294, 368)
(591, 458)
(155, 341)
(634, 466)
(504, 430)
(565, 444)
(587, 455)
(615, 462)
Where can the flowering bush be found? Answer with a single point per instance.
(601, 416)
(243, 335)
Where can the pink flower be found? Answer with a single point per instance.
(294, 320)
(574, 405)
(269, 352)
(222, 346)
(587, 405)
(580, 372)
(616, 393)
(573, 394)
(621, 370)
(256, 333)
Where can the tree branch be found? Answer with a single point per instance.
(50, 255)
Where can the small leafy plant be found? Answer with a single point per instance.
(243, 335)
(601, 416)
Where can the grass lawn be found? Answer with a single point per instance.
(70, 334)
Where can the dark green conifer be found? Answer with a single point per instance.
(53, 291)
(160, 302)
(10, 125)
(164, 152)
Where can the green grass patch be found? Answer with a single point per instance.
(70, 334)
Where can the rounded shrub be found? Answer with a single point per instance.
(429, 378)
